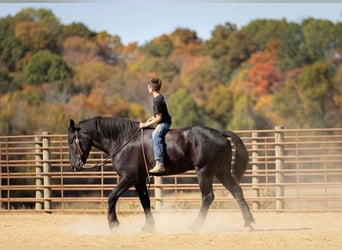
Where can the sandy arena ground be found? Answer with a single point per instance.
(221, 231)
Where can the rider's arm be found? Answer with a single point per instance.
(152, 121)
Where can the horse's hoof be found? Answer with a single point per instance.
(148, 229)
(248, 229)
(195, 227)
(113, 225)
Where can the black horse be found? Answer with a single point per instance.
(204, 149)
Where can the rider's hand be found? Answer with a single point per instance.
(142, 125)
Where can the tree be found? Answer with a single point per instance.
(242, 116)
(259, 75)
(110, 47)
(6, 82)
(316, 89)
(309, 100)
(34, 36)
(77, 29)
(95, 74)
(45, 20)
(45, 66)
(200, 82)
(160, 47)
(220, 105)
(229, 48)
(262, 31)
(160, 67)
(185, 41)
(184, 109)
(290, 54)
(320, 38)
(11, 49)
(78, 50)
(216, 46)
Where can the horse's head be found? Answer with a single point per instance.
(79, 146)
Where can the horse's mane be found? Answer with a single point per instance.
(110, 127)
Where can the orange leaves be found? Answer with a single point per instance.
(261, 76)
(78, 50)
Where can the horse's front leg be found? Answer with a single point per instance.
(146, 204)
(124, 184)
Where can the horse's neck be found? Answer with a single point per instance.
(105, 144)
(110, 141)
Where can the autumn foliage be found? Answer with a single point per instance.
(269, 72)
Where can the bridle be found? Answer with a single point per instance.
(80, 152)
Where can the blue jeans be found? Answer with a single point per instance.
(158, 136)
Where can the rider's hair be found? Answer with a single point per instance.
(155, 83)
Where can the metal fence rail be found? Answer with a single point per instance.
(290, 169)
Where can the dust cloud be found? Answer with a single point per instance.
(165, 223)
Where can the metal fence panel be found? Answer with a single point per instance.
(289, 170)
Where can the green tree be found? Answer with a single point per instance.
(6, 82)
(216, 46)
(311, 100)
(183, 36)
(161, 67)
(77, 29)
(159, 47)
(45, 66)
(220, 105)
(243, 116)
(288, 34)
(11, 49)
(290, 55)
(320, 38)
(228, 47)
(184, 110)
(316, 89)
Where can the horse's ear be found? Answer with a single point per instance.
(71, 125)
(97, 122)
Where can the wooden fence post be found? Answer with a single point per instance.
(279, 166)
(0, 177)
(158, 192)
(255, 171)
(46, 170)
(39, 170)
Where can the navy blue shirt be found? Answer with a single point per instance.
(159, 106)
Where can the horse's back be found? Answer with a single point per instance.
(199, 145)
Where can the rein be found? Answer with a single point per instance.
(80, 152)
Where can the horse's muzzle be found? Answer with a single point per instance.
(79, 167)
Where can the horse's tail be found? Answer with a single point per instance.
(241, 155)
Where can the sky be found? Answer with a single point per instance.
(141, 21)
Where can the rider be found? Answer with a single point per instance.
(161, 120)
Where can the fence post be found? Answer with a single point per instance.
(255, 170)
(279, 166)
(46, 170)
(39, 169)
(158, 192)
(0, 177)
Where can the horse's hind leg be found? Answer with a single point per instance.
(146, 204)
(230, 184)
(124, 184)
(205, 181)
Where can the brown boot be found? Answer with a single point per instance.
(158, 168)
